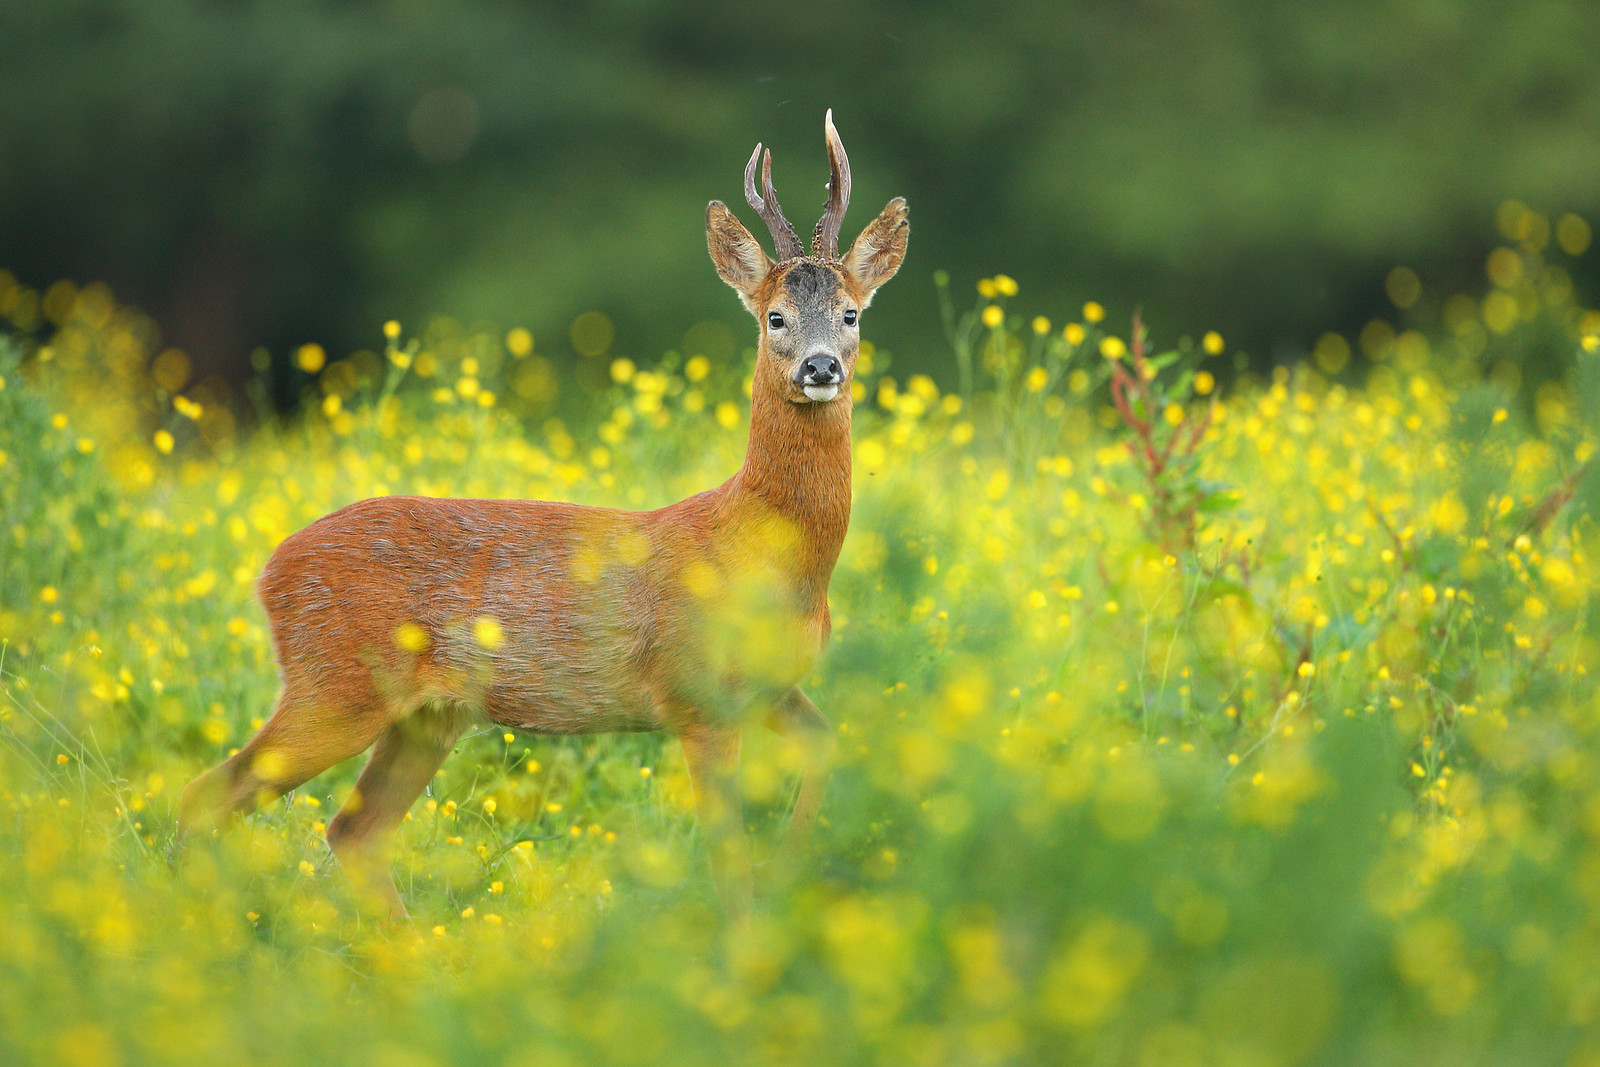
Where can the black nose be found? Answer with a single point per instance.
(821, 370)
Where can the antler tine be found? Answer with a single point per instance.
(784, 240)
(825, 239)
(752, 197)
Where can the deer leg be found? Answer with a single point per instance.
(713, 756)
(795, 717)
(299, 742)
(402, 763)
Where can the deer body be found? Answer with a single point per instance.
(398, 620)
(601, 619)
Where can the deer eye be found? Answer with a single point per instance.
(774, 320)
(850, 317)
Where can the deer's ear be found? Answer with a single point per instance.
(739, 257)
(880, 249)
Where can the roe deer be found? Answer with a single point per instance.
(690, 618)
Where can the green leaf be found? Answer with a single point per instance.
(1213, 502)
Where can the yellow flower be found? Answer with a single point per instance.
(697, 368)
(1005, 285)
(1572, 234)
(1073, 333)
(1212, 343)
(411, 637)
(519, 342)
(1093, 312)
(391, 330)
(1041, 325)
(993, 316)
(1204, 383)
(49, 594)
(310, 358)
(164, 442)
(489, 634)
(1113, 347)
(986, 289)
(872, 454)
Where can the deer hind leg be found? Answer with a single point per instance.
(795, 717)
(713, 757)
(404, 760)
(303, 738)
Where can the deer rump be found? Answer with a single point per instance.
(547, 617)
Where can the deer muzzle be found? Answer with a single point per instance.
(820, 376)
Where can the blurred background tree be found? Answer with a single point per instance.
(270, 173)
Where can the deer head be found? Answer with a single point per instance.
(808, 307)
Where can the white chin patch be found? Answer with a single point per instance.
(821, 392)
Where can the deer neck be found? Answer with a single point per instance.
(797, 470)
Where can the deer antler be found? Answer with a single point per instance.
(825, 240)
(784, 240)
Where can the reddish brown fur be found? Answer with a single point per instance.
(680, 619)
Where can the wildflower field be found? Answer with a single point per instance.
(1185, 716)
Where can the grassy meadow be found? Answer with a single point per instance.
(1185, 716)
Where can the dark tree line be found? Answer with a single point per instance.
(277, 172)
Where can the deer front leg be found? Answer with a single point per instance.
(713, 756)
(796, 718)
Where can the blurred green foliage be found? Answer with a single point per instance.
(267, 173)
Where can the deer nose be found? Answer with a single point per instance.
(821, 370)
